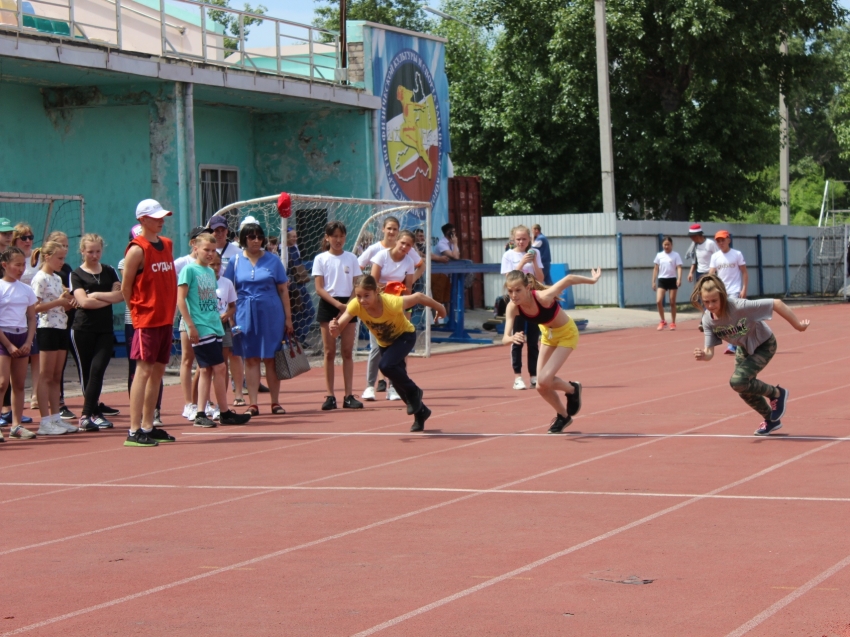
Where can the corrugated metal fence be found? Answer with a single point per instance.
(585, 241)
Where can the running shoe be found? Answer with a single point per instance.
(519, 383)
(107, 411)
(26, 434)
(672, 326)
(559, 424)
(415, 404)
(140, 438)
(392, 394)
(156, 418)
(209, 410)
(230, 418)
(66, 414)
(101, 422)
(70, 427)
(190, 411)
(201, 420)
(661, 325)
(368, 394)
(767, 427)
(382, 385)
(777, 405)
(51, 426)
(330, 403)
(160, 435)
(86, 424)
(350, 402)
(533, 382)
(574, 400)
(6, 419)
(419, 419)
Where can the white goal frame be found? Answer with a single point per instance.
(25, 197)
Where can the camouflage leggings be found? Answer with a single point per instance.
(753, 391)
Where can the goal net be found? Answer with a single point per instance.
(45, 213)
(824, 272)
(299, 238)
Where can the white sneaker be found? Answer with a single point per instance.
(216, 415)
(49, 427)
(519, 383)
(392, 394)
(533, 382)
(209, 410)
(190, 411)
(368, 394)
(68, 426)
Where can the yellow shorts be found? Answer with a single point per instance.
(564, 336)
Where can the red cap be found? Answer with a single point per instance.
(695, 229)
(284, 205)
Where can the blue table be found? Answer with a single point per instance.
(458, 270)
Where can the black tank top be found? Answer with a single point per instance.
(545, 315)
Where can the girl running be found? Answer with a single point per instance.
(334, 272)
(520, 259)
(384, 315)
(53, 301)
(17, 332)
(741, 322)
(95, 287)
(538, 305)
(666, 276)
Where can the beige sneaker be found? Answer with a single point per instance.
(22, 433)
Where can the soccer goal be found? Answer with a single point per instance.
(45, 213)
(303, 225)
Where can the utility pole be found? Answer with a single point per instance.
(343, 36)
(606, 141)
(784, 151)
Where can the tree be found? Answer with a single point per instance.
(405, 14)
(230, 21)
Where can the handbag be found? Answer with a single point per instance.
(290, 361)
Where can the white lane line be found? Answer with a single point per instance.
(599, 538)
(567, 434)
(272, 488)
(782, 603)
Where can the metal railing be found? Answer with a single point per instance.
(189, 30)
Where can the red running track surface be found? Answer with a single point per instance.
(657, 514)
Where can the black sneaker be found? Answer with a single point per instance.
(159, 435)
(350, 402)
(107, 411)
(419, 420)
(382, 385)
(101, 422)
(66, 414)
(139, 438)
(330, 403)
(777, 405)
(86, 424)
(263, 389)
(559, 424)
(231, 418)
(767, 427)
(415, 403)
(574, 400)
(201, 420)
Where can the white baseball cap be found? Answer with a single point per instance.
(151, 208)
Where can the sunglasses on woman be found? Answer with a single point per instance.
(255, 237)
(26, 237)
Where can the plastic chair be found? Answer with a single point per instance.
(61, 28)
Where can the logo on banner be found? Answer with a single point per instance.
(411, 136)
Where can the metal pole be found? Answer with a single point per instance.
(760, 265)
(182, 190)
(786, 264)
(204, 33)
(823, 203)
(118, 33)
(606, 141)
(621, 285)
(428, 251)
(784, 152)
(162, 24)
(343, 36)
(810, 269)
(277, 44)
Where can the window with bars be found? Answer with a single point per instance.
(219, 187)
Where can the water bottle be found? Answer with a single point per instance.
(532, 252)
(236, 330)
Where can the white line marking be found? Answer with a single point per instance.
(782, 603)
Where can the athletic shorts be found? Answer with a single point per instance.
(208, 352)
(327, 312)
(564, 336)
(51, 339)
(15, 338)
(152, 344)
(667, 284)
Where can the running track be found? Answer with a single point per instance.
(659, 513)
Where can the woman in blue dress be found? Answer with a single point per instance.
(303, 311)
(262, 310)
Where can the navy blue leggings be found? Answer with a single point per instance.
(394, 366)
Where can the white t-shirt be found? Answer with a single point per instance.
(365, 258)
(48, 287)
(394, 270)
(728, 265)
(701, 254)
(182, 262)
(226, 294)
(667, 264)
(511, 259)
(229, 251)
(443, 245)
(15, 298)
(31, 271)
(337, 272)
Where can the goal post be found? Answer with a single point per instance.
(363, 219)
(45, 213)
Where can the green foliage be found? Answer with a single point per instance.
(406, 14)
(231, 21)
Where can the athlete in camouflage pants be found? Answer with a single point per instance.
(754, 392)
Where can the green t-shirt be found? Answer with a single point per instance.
(202, 299)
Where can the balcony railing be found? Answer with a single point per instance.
(185, 29)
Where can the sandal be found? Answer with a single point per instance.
(277, 409)
(238, 402)
(253, 410)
